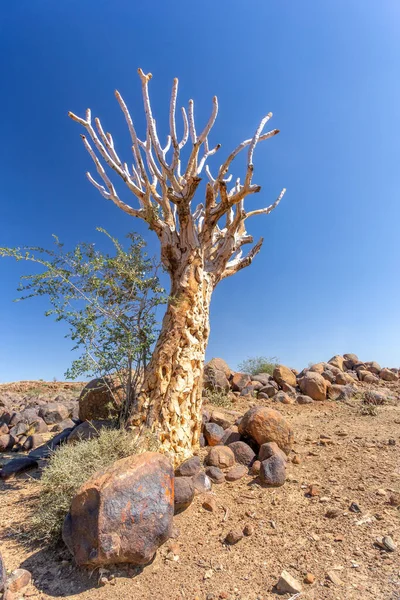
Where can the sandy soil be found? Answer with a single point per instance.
(360, 462)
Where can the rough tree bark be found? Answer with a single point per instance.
(199, 248)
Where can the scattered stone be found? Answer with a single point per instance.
(236, 473)
(183, 493)
(344, 379)
(333, 513)
(231, 435)
(189, 467)
(123, 513)
(210, 503)
(270, 449)
(233, 537)
(40, 426)
(263, 378)
(17, 466)
(18, 579)
(333, 578)
(373, 367)
(216, 375)
(268, 391)
(215, 474)
(7, 441)
(386, 543)
(288, 584)
(394, 500)
(312, 491)
(302, 399)
(354, 508)
(267, 425)
(45, 450)
(381, 492)
(202, 483)
(309, 578)
(220, 456)
(243, 453)
(284, 398)
(221, 419)
(248, 530)
(33, 441)
(213, 434)
(273, 471)
(255, 467)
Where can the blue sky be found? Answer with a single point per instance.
(326, 280)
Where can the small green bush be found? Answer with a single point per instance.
(69, 467)
(221, 399)
(258, 364)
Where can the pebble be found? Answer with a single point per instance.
(18, 579)
(296, 460)
(386, 543)
(233, 537)
(312, 491)
(248, 530)
(288, 584)
(333, 578)
(309, 578)
(210, 504)
(381, 492)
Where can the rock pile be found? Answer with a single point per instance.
(336, 379)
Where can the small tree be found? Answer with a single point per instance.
(258, 364)
(200, 246)
(108, 302)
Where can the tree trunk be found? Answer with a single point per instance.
(171, 397)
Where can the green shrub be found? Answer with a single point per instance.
(221, 399)
(258, 364)
(69, 467)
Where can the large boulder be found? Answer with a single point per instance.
(314, 385)
(388, 375)
(240, 381)
(373, 367)
(101, 399)
(88, 430)
(216, 375)
(184, 491)
(221, 457)
(264, 424)
(17, 466)
(123, 513)
(284, 374)
(337, 361)
(350, 360)
(53, 413)
(344, 379)
(273, 471)
(244, 455)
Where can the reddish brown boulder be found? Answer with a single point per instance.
(53, 413)
(267, 425)
(183, 493)
(244, 455)
(314, 385)
(7, 441)
(189, 468)
(373, 367)
(213, 434)
(18, 579)
(240, 381)
(344, 379)
(216, 375)
(388, 375)
(270, 449)
(123, 513)
(220, 456)
(337, 361)
(100, 399)
(273, 471)
(284, 374)
(236, 473)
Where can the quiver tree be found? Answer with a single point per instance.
(201, 243)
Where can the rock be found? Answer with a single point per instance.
(247, 391)
(17, 466)
(289, 389)
(231, 435)
(215, 474)
(269, 390)
(183, 493)
(263, 378)
(213, 434)
(373, 367)
(216, 375)
(329, 376)
(40, 426)
(202, 441)
(88, 430)
(264, 424)
(101, 399)
(236, 473)
(309, 578)
(240, 381)
(256, 385)
(33, 441)
(210, 503)
(288, 584)
(350, 360)
(313, 385)
(302, 399)
(367, 376)
(189, 467)
(284, 374)
(66, 424)
(202, 483)
(18, 579)
(3, 576)
(29, 415)
(243, 453)
(284, 398)
(233, 537)
(343, 379)
(317, 368)
(220, 456)
(248, 530)
(296, 460)
(18, 429)
(255, 467)
(45, 450)
(270, 449)
(386, 543)
(273, 471)
(263, 396)
(53, 413)
(6, 442)
(221, 419)
(333, 578)
(123, 513)
(388, 375)
(337, 361)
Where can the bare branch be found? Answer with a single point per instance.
(268, 209)
(234, 267)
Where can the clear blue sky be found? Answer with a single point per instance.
(327, 279)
